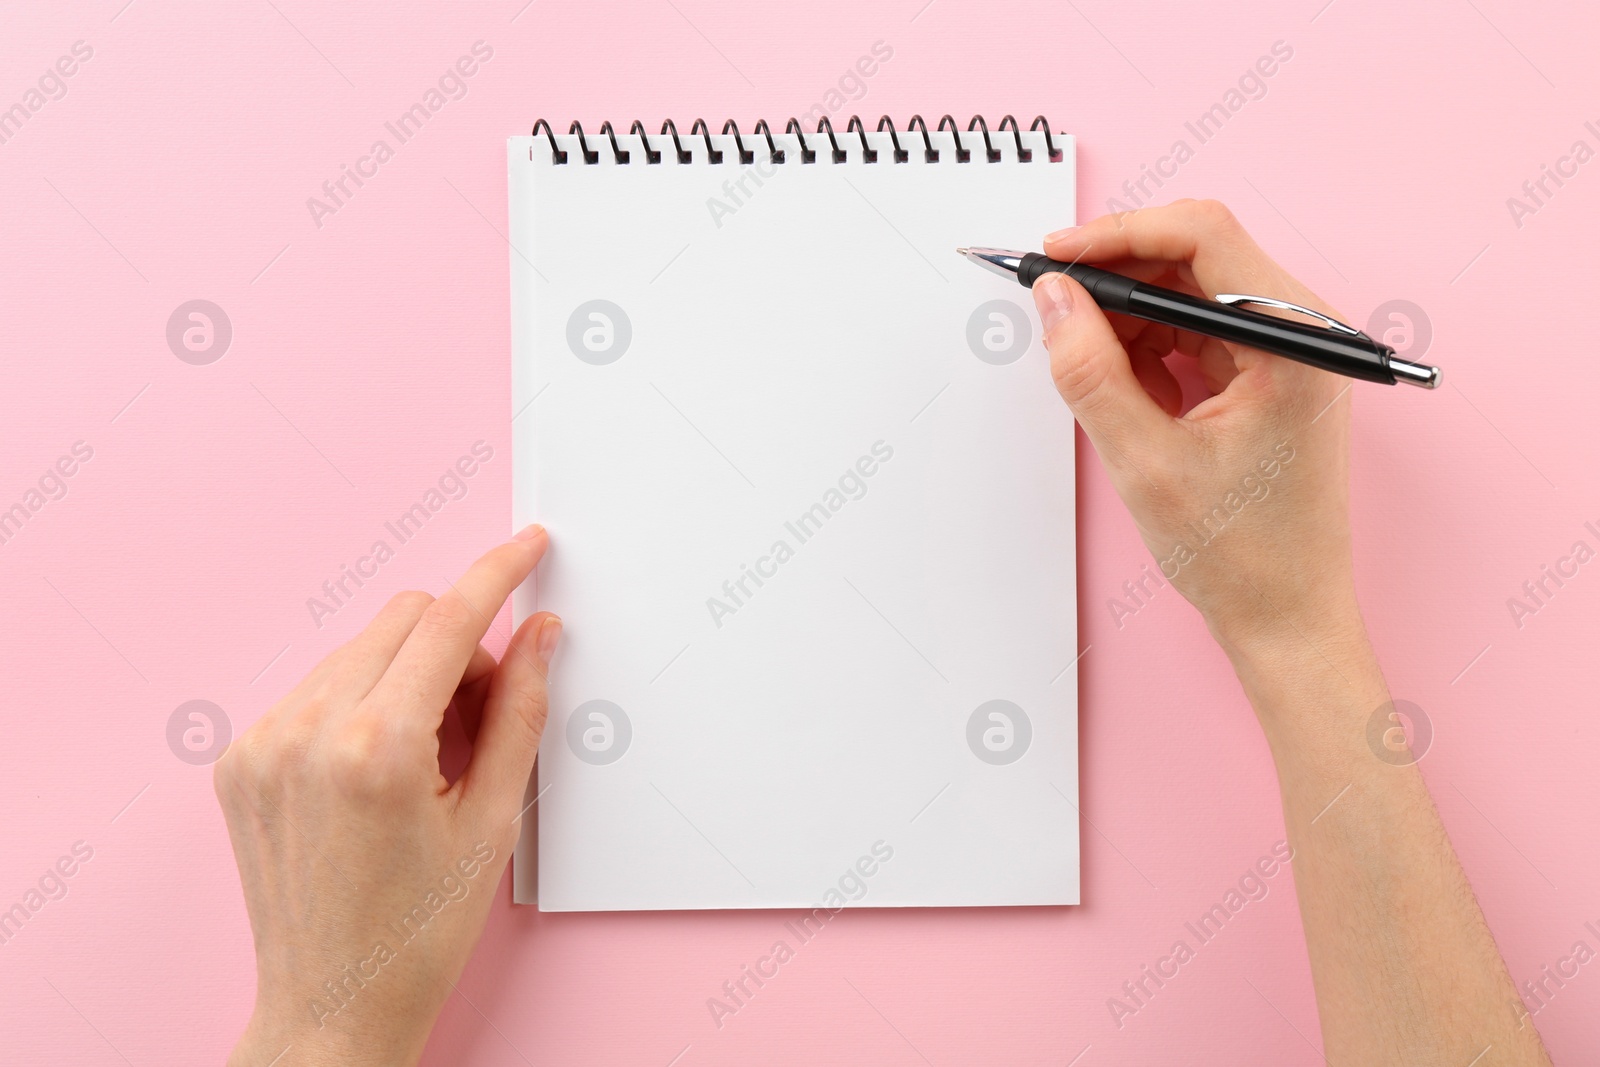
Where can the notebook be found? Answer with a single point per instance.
(810, 493)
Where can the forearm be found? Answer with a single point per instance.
(1244, 499)
(1404, 966)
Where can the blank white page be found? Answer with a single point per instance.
(810, 494)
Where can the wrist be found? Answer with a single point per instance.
(270, 1034)
(1313, 682)
(1275, 629)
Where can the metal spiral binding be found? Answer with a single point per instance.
(622, 154)
(962, 155)
(683, 156)
(868, 153)
(900, 154)
(930, 154)
(583, 145)
(806, 154)
(746, 156)
(778, 154)
(824, 126)
(990, 152)
(701, 128)
(1024, 155)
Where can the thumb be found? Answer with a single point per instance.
(1092, 371)
(514, 713)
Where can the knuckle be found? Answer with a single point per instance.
(239, 763)
(1215, 215)
(532, 709)
(260, 761)
(1079, 378)
(225, 772)
(446, 616)
(292, 749)
(354, 761)
(282, 754)
(411, 602)
(1165, 472)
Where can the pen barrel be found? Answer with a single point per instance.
(1352, 355)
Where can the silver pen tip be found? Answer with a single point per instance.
(961, 251)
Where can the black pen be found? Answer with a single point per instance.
(1333, 346)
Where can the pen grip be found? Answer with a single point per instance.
(1112, 292)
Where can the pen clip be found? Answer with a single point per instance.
(1234, 299)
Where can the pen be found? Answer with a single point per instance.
(1332, 346)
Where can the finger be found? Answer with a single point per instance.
(1159, 271)
(1126, 327)
(468, 703)
(1173, 232)
(434, 658)
(356, 667)
(1147, 355)
(1218, 368)
(514, 714)
(1092, 372)
(468, 698)
(1217, 361)
(474, 686)
(316, 679)
(480, 666)
(1197, 238)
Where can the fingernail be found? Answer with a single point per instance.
(549, 636)
(530, 532)
(1061, 235)
(1053, 299)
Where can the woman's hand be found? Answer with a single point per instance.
(1244, 500)
(367, 876)
(1245, 503)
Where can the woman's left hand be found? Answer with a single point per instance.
(368, 876)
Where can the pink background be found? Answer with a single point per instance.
(370, 353)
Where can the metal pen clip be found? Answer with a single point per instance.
(1418, 374)
(1331, 323)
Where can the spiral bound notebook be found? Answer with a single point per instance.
(810, 491)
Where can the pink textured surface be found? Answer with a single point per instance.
(369, 353)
